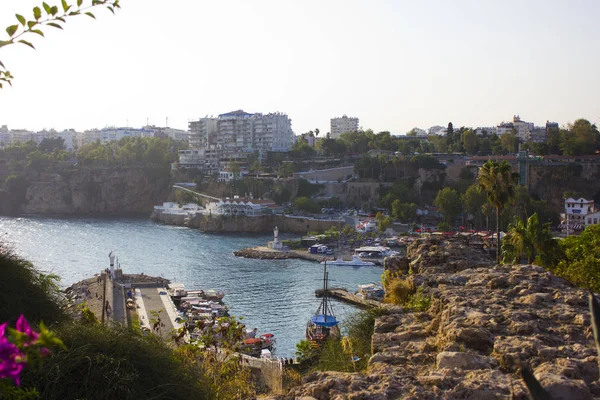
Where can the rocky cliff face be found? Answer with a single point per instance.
(484, 322)
(97, 191)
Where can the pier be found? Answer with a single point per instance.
(344, 295)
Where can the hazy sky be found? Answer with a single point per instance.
(394, 64)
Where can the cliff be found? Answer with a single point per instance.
(484, 322)
(549, 182)
(96, 191)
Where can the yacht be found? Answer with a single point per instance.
(355, 262)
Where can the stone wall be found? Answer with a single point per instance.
(484, 322)
(263, 224)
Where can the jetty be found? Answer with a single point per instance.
(344, 295)
(266, 253)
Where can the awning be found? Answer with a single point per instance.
(571, 226)
(326, 321)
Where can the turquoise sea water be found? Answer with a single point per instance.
(275, 296)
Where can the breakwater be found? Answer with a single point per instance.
(241, 223)
(264, 253)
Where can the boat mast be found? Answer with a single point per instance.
(325, 293)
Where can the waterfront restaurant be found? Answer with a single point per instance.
(237, 206)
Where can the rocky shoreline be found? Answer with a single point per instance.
(484, 323)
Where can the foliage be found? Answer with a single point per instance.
(496, 180)
(24, 290)
(404, 212)
(102, 363)
(307, 189)
(449, 204)
(581, 260)
(473, 200)
(397, 290)
(305, 351)
(418, 301)
(383, 221)
(286, 169)
(307, 204)
(45, 16)
(529, 239)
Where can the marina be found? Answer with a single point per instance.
(277, 296)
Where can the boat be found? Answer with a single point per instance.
(323, 324)
(375, 252)
(355, 262)
(254, 346)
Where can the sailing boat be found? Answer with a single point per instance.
(323, 324)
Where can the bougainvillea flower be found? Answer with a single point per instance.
(23, 327)
(11, 358)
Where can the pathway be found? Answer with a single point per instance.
(153, 303)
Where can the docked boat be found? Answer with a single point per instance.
(355, 262)
(375, 252)
(254, 346)
(323, 324)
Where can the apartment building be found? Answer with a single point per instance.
(341, 125)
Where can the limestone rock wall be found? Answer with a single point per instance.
(97, 191)
(484, 322)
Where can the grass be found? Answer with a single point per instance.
(105, 363)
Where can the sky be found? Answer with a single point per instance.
(393, 64)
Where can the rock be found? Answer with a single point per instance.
(485, 321)
(453, 359)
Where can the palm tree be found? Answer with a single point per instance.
(496, 180)
(529, 239)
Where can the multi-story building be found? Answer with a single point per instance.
(110, 134)
(233, 135)
(576, 213)
(203, 133)
(342, 125)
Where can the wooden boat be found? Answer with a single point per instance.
(323, 324)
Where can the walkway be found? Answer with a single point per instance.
(155, 309)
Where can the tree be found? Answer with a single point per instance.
(44, 17)
(285, 170)
(580, 263)
(528, 239)
(470, 141)
(450, 134)
(473, 201)
(510, 142)
(496, 181)
(383, 221)
(448, 202)
(404, 212)
(306, 204)
(256, 167)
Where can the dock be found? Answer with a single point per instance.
(344, 295)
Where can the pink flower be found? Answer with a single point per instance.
(23, 327)
(10, 358)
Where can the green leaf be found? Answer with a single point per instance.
(54, 25)
(21, 19)
(47, 8)
(37, 13)
(2, 65)
(60, 19)
(38, 32)
(111, 9)
(53, 10)
(4, 43)
(25, 42)
(74, 13)
(11, 30)
(31, 24)
(79, 2)
(89, 14)
(65, 6)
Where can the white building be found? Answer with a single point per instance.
(576, 213)
(341, 125)
(488, 130)
(238, 206)
(235, 134)
(437, 130)
(111, 134)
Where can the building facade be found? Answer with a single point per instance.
(234, 135)
(341, 125)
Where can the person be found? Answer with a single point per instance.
(129, 294)
(107, 306)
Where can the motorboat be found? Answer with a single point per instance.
(254, 346)
(355, 262)
(323, 324)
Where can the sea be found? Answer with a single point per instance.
(275, 296)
